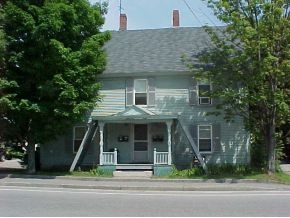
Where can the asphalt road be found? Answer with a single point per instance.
(28, 201)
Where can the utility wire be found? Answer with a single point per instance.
(191, 10)
(193, 13)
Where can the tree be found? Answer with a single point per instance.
(54, 53)
(4, 83)
(249, 66)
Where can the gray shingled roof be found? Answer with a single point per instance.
(153, 50)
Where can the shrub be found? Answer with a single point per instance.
(213, 171)
(187, 173)
(228, 169)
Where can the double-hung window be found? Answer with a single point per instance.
(204, 94)
(205, 138)
(140, 92)
(78, 135)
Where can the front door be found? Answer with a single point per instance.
(141, 143)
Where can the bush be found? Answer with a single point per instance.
(98, 172)
(228, 169)
(195, 171)
(214, 170)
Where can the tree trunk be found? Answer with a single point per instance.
(271, 142)
(31, 158)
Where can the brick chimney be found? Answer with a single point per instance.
(123, 22)
(175, 18)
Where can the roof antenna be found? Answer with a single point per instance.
(120, 7)
(123, 18)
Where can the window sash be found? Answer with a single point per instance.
(140, 86)
(204, 145)
(204, 94)
(140, 91)
(140, 98)
(205, 138)
(78, 135)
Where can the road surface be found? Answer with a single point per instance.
(28, 201)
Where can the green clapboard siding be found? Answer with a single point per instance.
(171, 98)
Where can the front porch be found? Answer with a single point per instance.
(135, 139)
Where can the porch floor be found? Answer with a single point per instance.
(134, 167)
(133, 174)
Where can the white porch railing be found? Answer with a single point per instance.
(160, 157)
(109, 158)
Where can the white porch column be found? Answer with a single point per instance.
(169, 124)
(101, 129)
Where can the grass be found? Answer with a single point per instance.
(79, 173)
(279, 177)
(228, 171)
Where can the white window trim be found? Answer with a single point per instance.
(211, 139)
(199, 98)
(134, 92)
(74, 135)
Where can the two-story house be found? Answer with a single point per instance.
(153, 111)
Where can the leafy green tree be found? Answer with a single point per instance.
(3, 81)
(53, 54)
(249, 66)
(5, 97)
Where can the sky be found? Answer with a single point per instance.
(155, 14)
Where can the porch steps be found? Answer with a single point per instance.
(133, 174)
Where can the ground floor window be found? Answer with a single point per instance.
(205, 138)
(78, 135)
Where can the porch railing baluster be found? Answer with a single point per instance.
(160, 157)
(110, 158)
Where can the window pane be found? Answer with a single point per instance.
(140, 99)
(204, 144)
(205, 132)
(140, 86)
(204, 100)
(140, 146)
(77, 144)
(140, 131)
(203, 90)
(80, 132)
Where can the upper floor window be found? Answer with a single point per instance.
(140, 92)
(205, 138)
(204, 94)
(78, 134)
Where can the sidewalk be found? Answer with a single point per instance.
(137, 183)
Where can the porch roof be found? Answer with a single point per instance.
(134, 114)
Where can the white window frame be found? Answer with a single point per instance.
(201, 98)
(211, 138)
(74, 136)
(135, 92)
